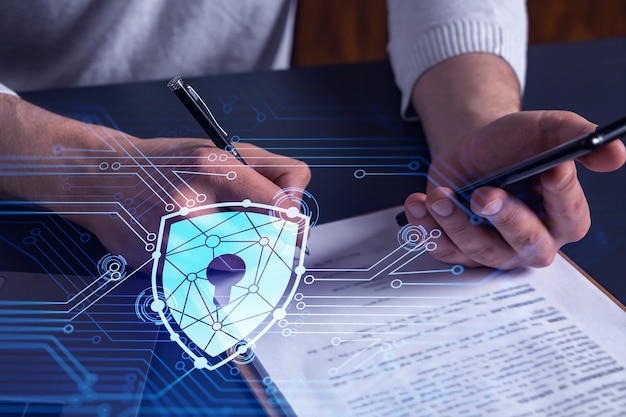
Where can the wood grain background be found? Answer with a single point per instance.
(337, 31)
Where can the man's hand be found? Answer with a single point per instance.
(470, 109)
(188, 172)
(523, 235)
(119, 186)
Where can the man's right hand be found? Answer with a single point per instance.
(101, 170)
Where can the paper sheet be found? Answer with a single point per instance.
(378, 329)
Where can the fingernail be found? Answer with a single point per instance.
(443, 207)
(417, 210)
(493, 207)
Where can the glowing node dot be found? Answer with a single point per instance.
(241, 349)
(217, 326)
(212, 241)
(396, 283)
(333, 372)
(336, 341)
(156, 255)
(246, 203)
(286, 332)
(175, 337)
(184, 211)
(298, 297)
(157, 306)
(359, 174)
(292, 212)
(200, 363)
(309, 279)
(280, 313)
(231, 175)
(299, 270)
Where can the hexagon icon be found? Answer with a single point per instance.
(225, 273)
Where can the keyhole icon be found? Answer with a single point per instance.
(224, 272)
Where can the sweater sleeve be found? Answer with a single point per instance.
(423, 33)
(6, 90)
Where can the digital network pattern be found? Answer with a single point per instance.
(93, 331)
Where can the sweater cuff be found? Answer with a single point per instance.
(6, 90)
(449, 40)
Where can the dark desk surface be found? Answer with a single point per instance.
(343, 121)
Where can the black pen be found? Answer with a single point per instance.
(200, 111)
(541, 162)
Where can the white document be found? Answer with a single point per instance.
(379, 328)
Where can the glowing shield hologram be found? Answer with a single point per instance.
(224, 273)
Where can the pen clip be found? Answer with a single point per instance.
(178, 87)
(205, 109)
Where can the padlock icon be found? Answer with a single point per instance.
(225, 273)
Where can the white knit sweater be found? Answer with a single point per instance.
(59, 43)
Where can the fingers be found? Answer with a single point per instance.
(283, 171)
(520, 237)
(480, 244)
(523, 236)
(447, 251)
(261, 181)
(607, 158)
(557, 127)
(567, 212)
(280, 183)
